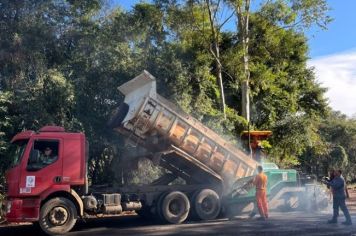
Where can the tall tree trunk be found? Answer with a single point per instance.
(245, 100)
(220, 79)
(216, 53)
(243, 13)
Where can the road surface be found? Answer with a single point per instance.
(293, 223)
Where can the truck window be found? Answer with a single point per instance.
(43, 153)
(17, 149)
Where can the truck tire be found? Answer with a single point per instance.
(206, 204)
(58, 216)
(174, 207)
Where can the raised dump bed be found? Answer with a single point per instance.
(148, 118)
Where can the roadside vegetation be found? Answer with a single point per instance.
(2, 220)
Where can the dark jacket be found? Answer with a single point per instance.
(338, 187)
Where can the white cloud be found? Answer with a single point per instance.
(337, 72)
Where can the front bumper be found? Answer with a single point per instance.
(21, 210)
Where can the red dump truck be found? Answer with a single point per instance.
(55, 192)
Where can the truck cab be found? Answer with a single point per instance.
(31, 179)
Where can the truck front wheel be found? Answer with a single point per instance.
(58, 216)
(174, 207)
(207, 205)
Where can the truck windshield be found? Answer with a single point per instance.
(17, 149)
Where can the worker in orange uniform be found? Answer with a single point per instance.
(260, 181)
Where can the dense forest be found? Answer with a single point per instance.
(232, 64)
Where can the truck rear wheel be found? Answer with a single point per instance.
(174, 207)
(206, 203)
(58, 216)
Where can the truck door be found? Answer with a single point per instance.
(42, 168)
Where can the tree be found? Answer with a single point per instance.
(205, 19)
(339, 134)
(298, 14)
(62, 61)
(284, 91)
(38, 40)
(216, 25)
(6, 127)
(242, 9)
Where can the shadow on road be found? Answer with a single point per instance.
(297, 223)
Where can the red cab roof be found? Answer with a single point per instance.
(28, 133)
(52, 128)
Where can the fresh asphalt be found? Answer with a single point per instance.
(294, 223)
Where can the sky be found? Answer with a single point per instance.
(332, 54)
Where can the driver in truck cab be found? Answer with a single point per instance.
(47, 156)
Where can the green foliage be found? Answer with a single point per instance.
(2, 198)
(145, 173)
(62, 61)
(338, 158)
(284, 95)
(297, 14)
(291, 137)
(6, 127)
(339, 133)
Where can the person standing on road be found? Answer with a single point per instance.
(260, 181)
(337, 185)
